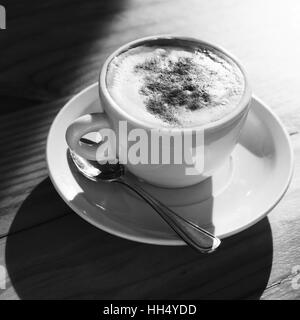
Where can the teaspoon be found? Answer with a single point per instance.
(195, 236)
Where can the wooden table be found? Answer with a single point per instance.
(53, 49)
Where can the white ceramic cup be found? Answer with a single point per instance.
(219, 137)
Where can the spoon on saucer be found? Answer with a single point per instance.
(195, 236)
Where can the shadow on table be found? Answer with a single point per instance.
(57, 46)
(66, 258)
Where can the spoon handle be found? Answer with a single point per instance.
(191, 233)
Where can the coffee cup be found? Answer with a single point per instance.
(209, 144)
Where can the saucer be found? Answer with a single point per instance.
(237, 196)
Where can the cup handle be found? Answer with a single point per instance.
(88, 123)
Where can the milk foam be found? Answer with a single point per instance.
(223, 80)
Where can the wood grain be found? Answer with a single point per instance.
(53, 49)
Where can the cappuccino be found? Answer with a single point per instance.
(175, 86)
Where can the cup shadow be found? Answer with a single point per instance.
(67, 258)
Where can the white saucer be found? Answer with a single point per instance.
(236, 197)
